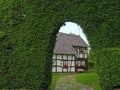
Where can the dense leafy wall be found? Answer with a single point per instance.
(108, 68)
(24, 47)
(28, 29)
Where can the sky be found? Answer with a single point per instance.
(73, 28)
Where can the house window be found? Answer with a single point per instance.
(80, 64)
(64, 64)
(81, 51)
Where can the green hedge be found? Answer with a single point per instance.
(25, 49)
(28, 29)
(108, 68)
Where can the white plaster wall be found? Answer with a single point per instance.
(54, 56)
(59, 56)
(64, 70)
(64, 56)
(71, 57)
(85, 55)
(81, 56)
(73, 63)
(59, 69)
(54, 62)
(59, 62)
(72, 69)
(53, 69)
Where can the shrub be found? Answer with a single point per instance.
(108, 68)
(27, 35)
(25, 49)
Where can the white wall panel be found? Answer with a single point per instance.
(54, 62)
(85, 55)
(54, 56)
(72, 69)
(59, 69)
(64, 56)
(81, 55)
(73, 63)
(53, 69)
(64, 70)
(59, 56)
(73, 58)
(59, 62)
(69, 57)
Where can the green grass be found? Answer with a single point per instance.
(85, 78)
(55, 78)
(90, 79)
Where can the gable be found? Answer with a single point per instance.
(65, 42)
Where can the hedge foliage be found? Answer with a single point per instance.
(25, 56)
(28, 29)
(108, 68)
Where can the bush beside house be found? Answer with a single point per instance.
(108, 68)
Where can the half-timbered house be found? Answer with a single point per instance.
(70, 54)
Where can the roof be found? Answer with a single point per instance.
(65, 42)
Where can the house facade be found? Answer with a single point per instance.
(70, 54)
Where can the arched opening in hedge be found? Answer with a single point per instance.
(71, 49)
(32, 39)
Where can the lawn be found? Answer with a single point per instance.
(85, 78)
(55, 78)
(90, 79)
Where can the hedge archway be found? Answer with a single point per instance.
(28, 30)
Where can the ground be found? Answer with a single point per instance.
(82, 81)
(69, 83)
